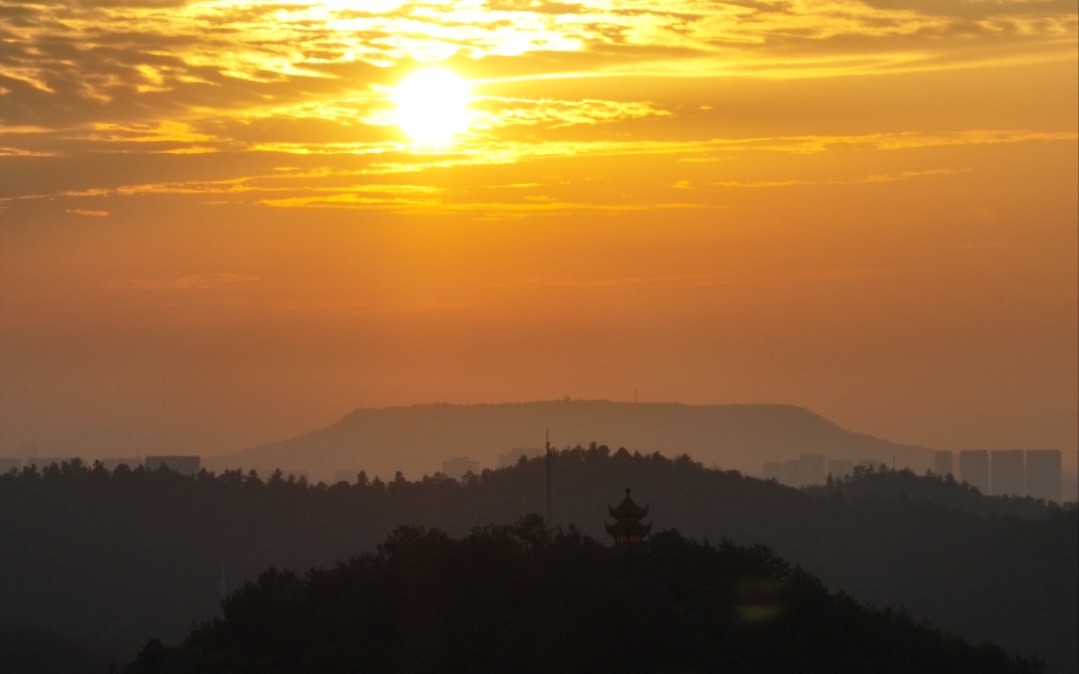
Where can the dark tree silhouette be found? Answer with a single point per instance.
(115, 559)
(519, 599)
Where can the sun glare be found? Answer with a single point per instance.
(432, 106)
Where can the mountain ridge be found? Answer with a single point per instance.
(415, 439)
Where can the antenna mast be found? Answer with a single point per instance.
(549, 522)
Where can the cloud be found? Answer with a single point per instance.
(158, 132)
(88, 213)
(693, 280)
(488, 210)
(357, 181)
(189, 282)
(875, 179)
(899, 140)
(370, 308)
(495, 111)
(974, 10)
(25, 152)
(344, 200)
(71, 64)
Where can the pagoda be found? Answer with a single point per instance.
(628, 530)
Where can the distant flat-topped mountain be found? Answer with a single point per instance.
(416, 439)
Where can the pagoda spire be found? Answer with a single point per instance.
(628, 530)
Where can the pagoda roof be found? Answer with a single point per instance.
(627, 509)
(628, 527)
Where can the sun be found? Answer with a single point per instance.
(432, 106)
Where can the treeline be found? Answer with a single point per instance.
(517, 599)
(117, 558)
(878, 481)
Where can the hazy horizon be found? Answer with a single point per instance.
(226, 223)
(567, 432)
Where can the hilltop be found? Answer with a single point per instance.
(516, 599)
(416, 439)
(988, 569)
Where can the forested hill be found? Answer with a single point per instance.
(514, 599)
(416, 439)
(115, 559)
(875, 483)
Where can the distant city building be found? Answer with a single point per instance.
(791, 473)
(1007, 473)
(345, 476)
(9, 463)
(942, 463)
(182, 464)
(1069, 488)
(628, 531)
(112, 464)
(1043, 474)
(459, 467)
(510, 458)
(807, 469)
(974, 468)
(813, 469)
(772, 470)
(840, 468)
(46, 461)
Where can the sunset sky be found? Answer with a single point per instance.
(227, 222)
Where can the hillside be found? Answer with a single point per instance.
(514, 599)
(416, 439)
(115, 559)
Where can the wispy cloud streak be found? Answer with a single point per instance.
(189, 282)
(692, 280)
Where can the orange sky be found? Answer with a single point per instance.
(213, 233)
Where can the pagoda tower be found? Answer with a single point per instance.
(628, 530)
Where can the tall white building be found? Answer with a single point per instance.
(974, 468)
(458, 467)
(942, 463)
(813, 469)
(1008, 473)
(112, 464)
(511, 457)
(840, 468)
(1043, 474)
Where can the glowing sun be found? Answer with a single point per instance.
(432, 106)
